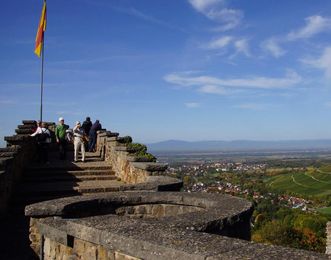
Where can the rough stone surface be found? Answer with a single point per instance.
(128, 225)
(159, 239)
(149, 166)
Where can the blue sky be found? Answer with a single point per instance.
(160, 69)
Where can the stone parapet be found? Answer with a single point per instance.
(130, 168)
(150, 226)
(19, 152)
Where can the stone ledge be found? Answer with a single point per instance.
(150, 166)
(24, 131)
(111, 139)
(17, 138)
(121, 148)
(165, 183)
(104, 133)
(133, 158)
(26, 126)
(168, 237)
(29, 122)
(7, 154)
(216, 205)
(10, 149)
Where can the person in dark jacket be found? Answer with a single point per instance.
(93, 135)
(87, 124)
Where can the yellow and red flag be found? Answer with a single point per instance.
(40, 32)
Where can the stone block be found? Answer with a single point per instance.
(150, 166)
(24, 131)
(122, 256)
(111, 139)
(29, 122)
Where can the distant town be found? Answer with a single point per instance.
(203, 169)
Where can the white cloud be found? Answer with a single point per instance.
(201, 5)
(192, 105)
(323, 62)
(314, 25)
(212, 89)
(242, 46)
(219, 43)
(230, 18)
(216, 11)
(251, 106)
(255, 82)
(272, 46)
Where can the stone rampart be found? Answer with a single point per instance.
(19, 152)
(146, 225)
(132, 169)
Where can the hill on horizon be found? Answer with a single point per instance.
(239, 145)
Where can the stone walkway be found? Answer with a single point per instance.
(49, 181)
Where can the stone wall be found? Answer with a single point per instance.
(20, 150)
(130, 168)
(170, 232)
(328, 238)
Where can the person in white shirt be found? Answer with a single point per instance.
(43, 138)
(78, 141)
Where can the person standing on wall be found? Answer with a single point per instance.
(60, 134)
(93, 135)
(78, 141)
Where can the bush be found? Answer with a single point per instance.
(124, 140)
(137, 148)
(140, 151)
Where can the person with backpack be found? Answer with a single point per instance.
(60, 134)
(87, 124)
(93, 135)
(43, 138)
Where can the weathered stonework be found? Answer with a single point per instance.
(129, 168)
(152, 226)
(135, 225)
(19, 152)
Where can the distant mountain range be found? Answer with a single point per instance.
(239, 145)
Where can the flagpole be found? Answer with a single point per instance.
(42, 81)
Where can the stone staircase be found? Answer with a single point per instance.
(41, 182)
(57, 179)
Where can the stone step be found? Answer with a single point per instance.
(28, 174)
(18, 203)
(24, 131)
(67, 177)
(68, 187)
(66, 168)
(26, 126)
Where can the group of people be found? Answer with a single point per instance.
(83, 137)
